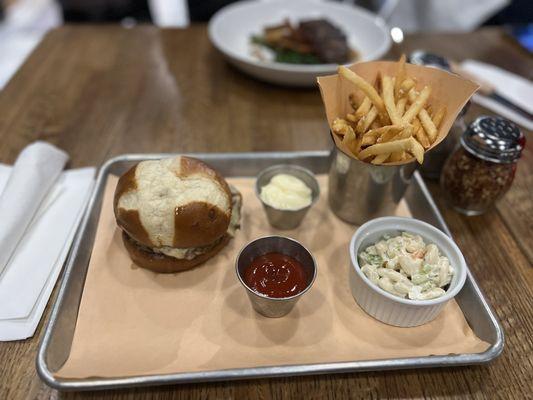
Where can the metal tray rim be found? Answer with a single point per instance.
(247, 373)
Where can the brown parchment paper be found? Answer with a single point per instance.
(447, 89)
(135, 322)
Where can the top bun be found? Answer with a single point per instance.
(176, 202)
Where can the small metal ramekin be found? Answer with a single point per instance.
(269, 306)
(287, 219)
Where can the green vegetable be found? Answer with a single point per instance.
(418, 279)
(287, 56)
(372, 259)
(293, 57)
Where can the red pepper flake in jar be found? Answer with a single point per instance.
(482, 169)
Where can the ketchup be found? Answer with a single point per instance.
(276, 275)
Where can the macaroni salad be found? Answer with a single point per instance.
(405, 266)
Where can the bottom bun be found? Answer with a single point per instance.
(158, 262)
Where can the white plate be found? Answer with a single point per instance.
(231, 28)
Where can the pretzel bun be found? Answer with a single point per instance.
(175, 209)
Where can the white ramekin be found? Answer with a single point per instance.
(384, 306)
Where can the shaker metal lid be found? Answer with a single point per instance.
(494, 139)
(422, 57)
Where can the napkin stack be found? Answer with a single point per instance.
(515, 88)
(40, 209)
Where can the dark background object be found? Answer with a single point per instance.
(517, 12)
(203, 10)
(104, 10)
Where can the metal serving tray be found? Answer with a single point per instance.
(57, 340)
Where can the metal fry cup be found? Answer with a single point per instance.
(287, 219)
(270, 306)
(359, 191)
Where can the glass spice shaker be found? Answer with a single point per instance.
(482, 168)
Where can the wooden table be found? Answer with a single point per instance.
(98, 92)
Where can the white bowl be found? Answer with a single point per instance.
(386, 307)
(231, 28)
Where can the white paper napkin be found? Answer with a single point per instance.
(35, 171)
(32, 271)
(31, 274)
(513, 87)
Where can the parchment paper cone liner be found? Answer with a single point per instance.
(447, 90)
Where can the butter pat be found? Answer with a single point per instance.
(286, 192)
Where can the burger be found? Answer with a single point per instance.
(175, 213)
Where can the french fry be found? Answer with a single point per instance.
(364, 86)
(425, 120)
(367, 120)
(384, 129)
(372, 136)
(422, 138)
(380, 159)
(378, 85)
(416, 105)
(363, 108)
(341, 127)
(420, 134)
(400, 106)
(400, 76)
(389, 135)
(416, 150)
(338, 123)
(351, 118)
(349, 140)
(388, 147)
(357, 146)
(439, 116)
(406, 132)
(388, 98)
(397, 156)
(407, 85)
(349, 136)
(368, 139)
(428, 125)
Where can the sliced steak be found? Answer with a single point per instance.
(328, 42)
